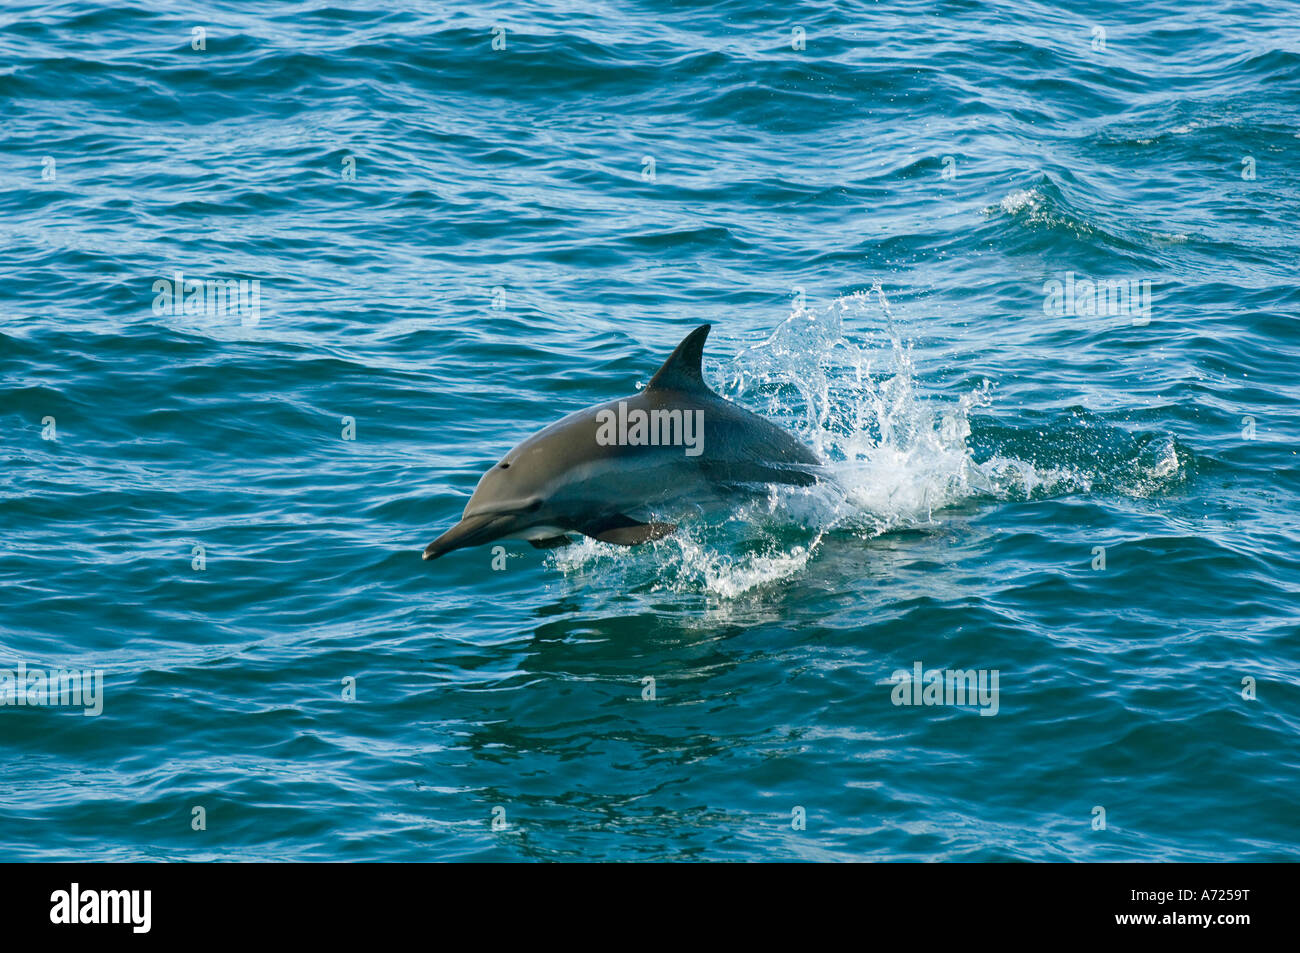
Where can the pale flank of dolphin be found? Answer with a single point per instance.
(600, 471)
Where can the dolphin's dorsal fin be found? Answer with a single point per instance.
(682, 370)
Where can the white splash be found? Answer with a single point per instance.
(842, 380)
(1020, 200)
(896, 457)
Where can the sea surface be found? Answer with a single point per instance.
(465, 221)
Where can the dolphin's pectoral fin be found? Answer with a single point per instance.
(625, 531)
(550, 542)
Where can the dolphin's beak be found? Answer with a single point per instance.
(470, 531)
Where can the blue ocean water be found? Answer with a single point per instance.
(467, 220)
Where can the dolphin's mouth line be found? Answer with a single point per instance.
(530, 505)
(470, 531)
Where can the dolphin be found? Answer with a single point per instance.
(601, 471)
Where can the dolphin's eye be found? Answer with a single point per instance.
(503, 465)
(533, 507)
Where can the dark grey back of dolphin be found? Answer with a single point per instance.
(569, 477)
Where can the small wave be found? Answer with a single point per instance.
(1020, 200)
(1043, 206)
